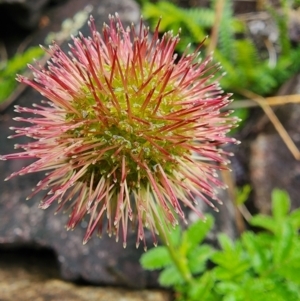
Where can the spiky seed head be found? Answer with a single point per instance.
(129, 132)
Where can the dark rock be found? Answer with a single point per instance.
(273, 166)
(25, 14)
(271, 163)
(26, 276)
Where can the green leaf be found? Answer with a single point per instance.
(244, 192)
(197, 20)
(225, 242)
(236, 271)
(20, 61)
(198, 258)
(200, 16)
(226, 33)
(283, 243)
(238, 25)
(16, 64)
(170, 277)
(156, 258)
(265, 222)
(202, 288)
(7, 86)
(280, 204)
(227, 287)
(231, 261)
(175, 236)
(169, 13)
(291, 273)
(294, 218)
(256, 252)
(196, 233)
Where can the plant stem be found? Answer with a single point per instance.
(228, 179)
(178, 260)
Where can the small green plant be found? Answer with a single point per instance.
(16, 64)
(262, 265)
(188, 246)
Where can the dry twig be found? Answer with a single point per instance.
(264, 104)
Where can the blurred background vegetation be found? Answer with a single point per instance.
(255, 50)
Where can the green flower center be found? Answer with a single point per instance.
(135, 124)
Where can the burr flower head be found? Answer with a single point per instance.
(129, 132)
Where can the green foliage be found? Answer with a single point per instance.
(187, 244)
(243, 194)
(260, 266)
(16, 64)
(194, 22)
(244, 66)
